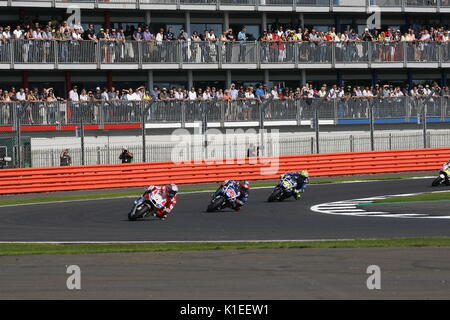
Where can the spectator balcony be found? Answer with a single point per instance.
(171, 113)
(430, 6)
(133, 55)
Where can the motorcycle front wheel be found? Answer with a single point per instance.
(276, 195)
(437, 182)
(133, 215)
(216, 204)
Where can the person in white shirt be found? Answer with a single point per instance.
(21, 96)
(132, 96)
(18, 33)
(249, 94)
(105, 95)
(207, 94)
(6, 33)
(274, 93)
(159, 36)
(357, 92)
(192, 94)
(322, 92)
(367, 92)
(73, 94)
(178, 94)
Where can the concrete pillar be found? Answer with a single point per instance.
(25, 81)
(68, 83)
(337, 23)
(190, 77)
(266, 77)
(410, 78)
(228, 80)
(107, 16)
(150, 81)
(444, 78)
(187, 18)
(301, 19)
(226, 20)
(340, 82)
(109, 80)
(264, 21)
(148, 17)
(374, 77)
(303, 77)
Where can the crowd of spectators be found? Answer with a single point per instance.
(36, 106)
(235, 92)
(116, 43)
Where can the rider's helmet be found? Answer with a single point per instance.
(304, 173)
(245, 184)
(172, 190)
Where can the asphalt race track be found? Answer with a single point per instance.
(106, 220)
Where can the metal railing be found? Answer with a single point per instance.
(139, 53)
(289, 3)
(407, 109)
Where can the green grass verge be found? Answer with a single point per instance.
(424, 197)
(15, 249)
(48, 198)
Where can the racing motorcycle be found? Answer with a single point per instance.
(223, 198)
(443, 179)
(283, 190)
(145, 205)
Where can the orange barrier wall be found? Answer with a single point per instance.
(144, 174)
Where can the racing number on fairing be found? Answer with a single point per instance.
(231, 193)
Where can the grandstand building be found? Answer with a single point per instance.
(62, 64)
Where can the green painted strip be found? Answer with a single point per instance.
(16, 249)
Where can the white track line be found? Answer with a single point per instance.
(350, 208)
(168, 242)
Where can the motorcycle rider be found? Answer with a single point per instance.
(302, 179)
(446, 166)
(169, 194)
(241, 188)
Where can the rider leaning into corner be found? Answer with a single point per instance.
(169, 194)
(241, 188)
(302, 179)
(446, 166)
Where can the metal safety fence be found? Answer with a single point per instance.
(17, 53)
(194, 148)
(289, 3)
(184, 111)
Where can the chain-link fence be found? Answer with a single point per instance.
(194, 148)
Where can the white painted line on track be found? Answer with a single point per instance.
(169, 242)
(351, 208)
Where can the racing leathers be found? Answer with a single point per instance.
(301, 180)
(166, 206)
(241, 193)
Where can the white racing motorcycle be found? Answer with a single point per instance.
(147, 204)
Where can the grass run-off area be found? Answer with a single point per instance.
(423, 197)
(44, 198)
(15, 249)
